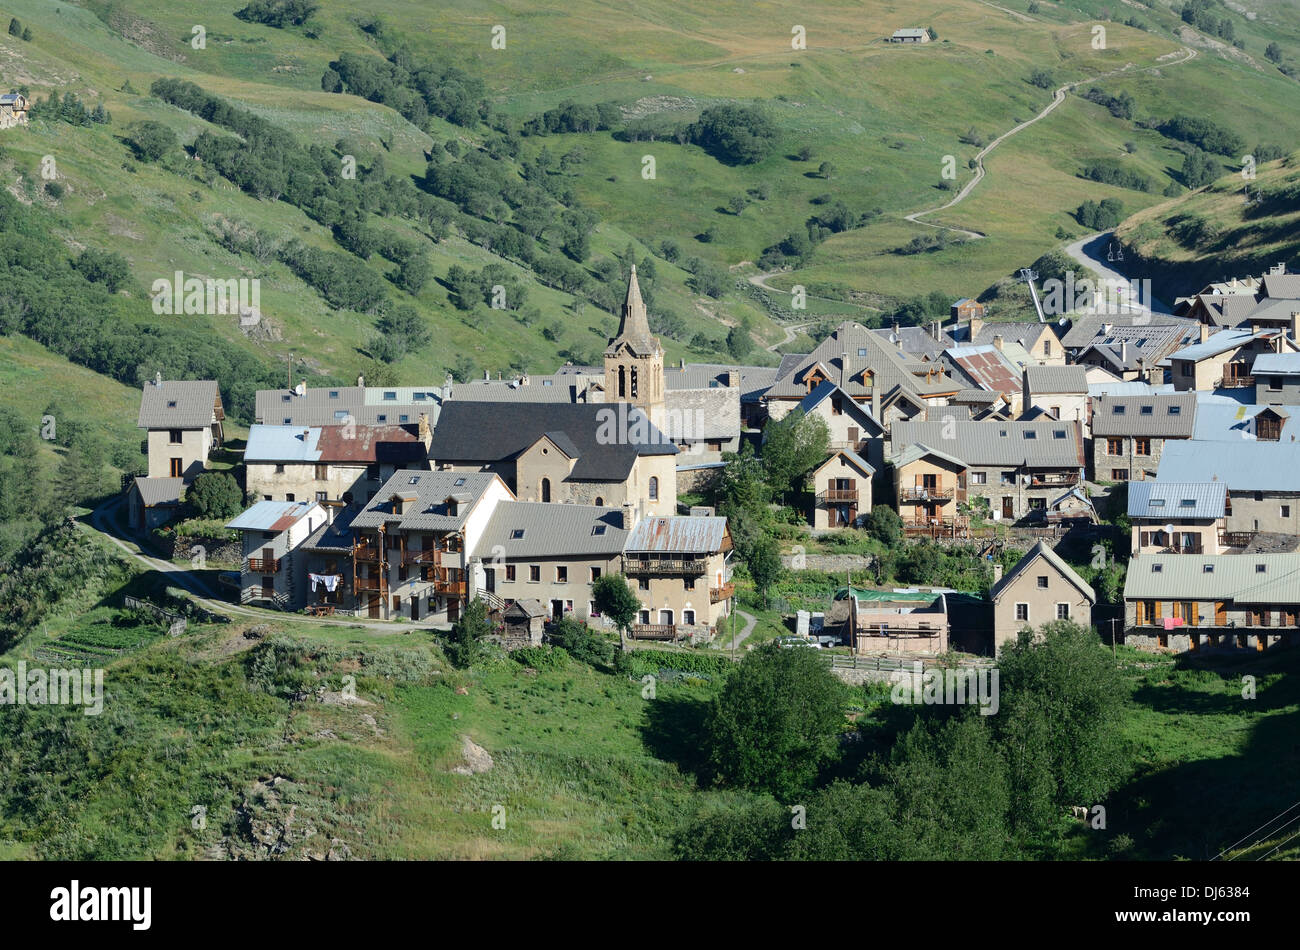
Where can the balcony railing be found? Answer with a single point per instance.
(427, 556)
(850, 446)
(937, 528)
(937, 492)
(1235, 382)
(368, 583)
(1053, 481)
(1235, 539)
(654, 631)
(262, 565)
(449, 588)
(1196, 548)
(688, 566)
(725, 592)
(365, 552)
(832, 496)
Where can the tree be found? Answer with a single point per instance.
(805, 153)
(1272, 52)
(103, 267)
(826, 169)
(776, 722)
(885, 525)
(737, 204)
(1199, 169)
(15, 27)
(764, 564)
(215, 495)
(151, 140)
(739, 342)
(617, 601)
(581, 642)
(933, 34)
(1042, 78)
(467, 633)
(791, 447)
(735, 134)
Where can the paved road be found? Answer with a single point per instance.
(789, 336)
(745, 631)
(1091, 251)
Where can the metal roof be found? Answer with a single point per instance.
(1051, 557)
(1097, 328)
(160, 492)
(360, 444)
(917, 451)
(551, 530)
(865, 350)
(1278, 364)
(1171, 416)
(427, 493)
(274, 516)
(987, 367)
(847, 404)
(178, 404)
(854, 459)
(1168, 501)
(1217, 344)
(1223, 419)
(1249, 466)
(1230, 577)
(678, 535)
(754, 380)
(1042, 380)
(1041, 444)
(331, 405)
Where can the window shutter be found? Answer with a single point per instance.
(1138, 619)
(1196, 613)
(1157, 616)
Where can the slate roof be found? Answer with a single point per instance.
(274, 516)
(1089, 328)
(330, 405)
(1165, 500)
(754, 380)
(999, 443)
(1274, 309)
(1171, 416)
(1027, 332)
(678, 535)
(917, 341)
(551, 530)
(1044, 380)
(1250, 466)
(692, 415)
(1041, 550)
(486, 432)
(178, 404)
(1232, 577)
(538, 389)
(1281, 285)
(1228, 310)
(848, 404)
(917, 451)
(160, 492)
(426, 509)
(892, 367)
(334, 535)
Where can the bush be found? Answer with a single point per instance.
(215, 495)
(735, 134)
(151, 140)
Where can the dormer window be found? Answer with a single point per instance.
(517, 534)
(598, 529)
(171, 403)
(1175, 410)
(413, 480)
(1261, 568)
(390, 396)
(1118, 410)
(334, 394)
(285, 398)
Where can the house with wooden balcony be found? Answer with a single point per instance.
(841, 490)
(680, 569)
(273, 572)
(1226, 359)
(929, 485)
(552, 554)
(184, 421)
(1261, 478)
(849, 423)
(1193, 602)
(1013, 469)
(1177, 517)
(1130, 433)
(412, 544)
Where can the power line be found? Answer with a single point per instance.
(1249, 834)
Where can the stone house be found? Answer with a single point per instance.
(1277, 379)
(928, 485)
(524, 622)
(910, 36)
(184, 422)
(274, 569)
(1225, 359)
(1185, 602)
(1176, 517)
(1262, 479)
(1039, 589)
(680, 569)
(1059, 391)
(891, 622)
(1131, 433)
(841, 490)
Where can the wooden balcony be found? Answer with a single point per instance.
(1235, 539)
(427, 556)
(365, 552)
(262, 565)
(1062, 480)
(448, 588)
(936, 492)
(719, 594)
(369, 583)
(691, 567)
(838, 496)
(654, 631)
(1234, 382)
(1196, 548)
(937, 528)
(859, 446)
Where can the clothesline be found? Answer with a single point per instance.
(331, 581)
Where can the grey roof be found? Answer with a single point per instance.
(1169, 416)
(1232, 577)
(1028, 332)
(856, 460)
(526, 607)
(329, 405)
(178, 404)
(333, 535)
(1132, 387)
(1042, 380)
(1165, 500)
(427, 510)
(1271, 309)
(981, 396)
(551, 530)
(537, 389)
(1250, 466)
(160, 492)
(1096, 327)
(917, 451)
(274, 516)
(1277, 364)
(691, 415)
(1041, 550)
(1217, 344)
(754, 380)
(1281, 285)
(916, 341)
(891, 367)
(1223, 419)
(1228, 310)
(487, 432)
(678, 535)
(848, 404)
(1052, 444)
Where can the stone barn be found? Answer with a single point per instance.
(523, 624)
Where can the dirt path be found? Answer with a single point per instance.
(745, 631)
(790, 334)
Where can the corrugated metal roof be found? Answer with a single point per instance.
(1249, 466)
(274, 516)
(1217, 344)
(282, 444)
(918, 451)
(330, 405)
(1167, 501)
(1052, 444)
(551, 530)
(1056, 379)
(155, 492)
(1231, 577)
(680, 534)
(1171, 416)
(1282, 364)
(1223, 419)
(178, 404)
(986, 367)
(428, 492)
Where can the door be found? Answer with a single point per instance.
(268, 557)
(557, 610)
(490, 579)
(268, 586)
(853, 436)
(373, 607)
(1008, 507)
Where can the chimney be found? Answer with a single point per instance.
(934, 331)
(682, 367)
(361, 382)
(1205, 331)
(875, 401)
(446, 388)
(487, 376)
(997, 342)
(157, 379)
(426, 431)
(895, 326)
(976, 324)
(629, 516)
(845, 372)
(733, 379)
(1123, 352)
(997, 571)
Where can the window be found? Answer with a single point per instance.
(561, 574)
(390, 396)
(171, 403)
(1038, 504)
(177, 468)
(1114, 446)
(1022, 613)
(643, 583)
(420, 397)
(1156, 503)
(1058, 433)
(598, 529)
(534, 573)
(322, 473)
(403, 418)
(862, 351)
(1187, 503)
(174, 436)
(1274, 384)
(510, 572)
(290, 497)
(1261, 569)
(1147, 410)
(279, 470)
(288, 421)
(1118, 475)
(1185, 369)
(654, 488)
(1286, 511)
(413, 480)
(600, 502)
(382, 417)
(516, 534)
(334, 394)
(1042, 582)
(1118, 410)
(1157, 568)
(1207, 568)
(1142, 446)
(595, 574)
(1030, 434)
(1062, 611)
(459, 482)
(1175, 410)
(644, 616)
(1047, 347)
(979, 478)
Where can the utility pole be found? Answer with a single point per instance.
(1113, 653)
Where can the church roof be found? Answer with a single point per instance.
(634, 328)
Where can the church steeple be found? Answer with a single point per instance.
(634, 327)
(634, 360)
